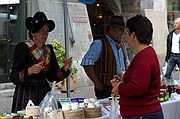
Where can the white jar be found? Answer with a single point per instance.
(81, 105)
(66, 107)
(92, 100)
(86, 101)
(90, 105)
(74, 105)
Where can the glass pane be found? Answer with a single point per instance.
(173, 12)
(8, 17)
(3, 39)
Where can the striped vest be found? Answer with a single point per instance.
(105, 66)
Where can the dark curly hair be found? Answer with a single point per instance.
(142, 27)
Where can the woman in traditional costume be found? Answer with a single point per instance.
(34, 63)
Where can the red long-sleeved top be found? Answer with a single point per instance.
(141, 87)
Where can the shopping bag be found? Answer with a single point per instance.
(50, 102)
(32, 110)
(54, 114)
(114, 109)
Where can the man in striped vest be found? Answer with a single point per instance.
(106, 57)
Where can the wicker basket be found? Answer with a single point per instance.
(74, 114)
(92, 112)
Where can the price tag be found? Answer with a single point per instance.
(65, 101)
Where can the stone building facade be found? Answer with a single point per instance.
(81, 18)
(79, 29)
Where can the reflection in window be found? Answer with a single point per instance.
(12, 31)
(173, 12)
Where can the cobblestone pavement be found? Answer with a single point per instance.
(5, 104)
(83, 92)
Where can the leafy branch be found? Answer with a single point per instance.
(60, 53)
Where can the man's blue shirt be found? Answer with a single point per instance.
(94, 51)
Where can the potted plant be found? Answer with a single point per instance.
(60, 55)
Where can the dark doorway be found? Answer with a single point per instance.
(99, 13)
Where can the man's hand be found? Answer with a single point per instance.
(99, 85)
(92, 75)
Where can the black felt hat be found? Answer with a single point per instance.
(117, 20)
(35, 23)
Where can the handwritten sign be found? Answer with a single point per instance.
(80, 19)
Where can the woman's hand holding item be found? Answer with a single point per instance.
(115, 84)
(115, 88)
(115, 80)
(36, 68)
(67, 64)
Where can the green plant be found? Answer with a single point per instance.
(60, 53)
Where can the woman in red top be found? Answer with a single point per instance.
(140, 88)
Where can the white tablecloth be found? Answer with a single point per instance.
(171, 109)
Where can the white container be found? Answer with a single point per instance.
(90, 105)
(81, 105)
(86, 101)
(66, 107)
(74, 105)
(92, 100)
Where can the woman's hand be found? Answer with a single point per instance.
(36, 68)
(115, 80)
(67, 64)
(115, 88)
(115, 84)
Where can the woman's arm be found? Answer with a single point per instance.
(55, 73)
(19, 71)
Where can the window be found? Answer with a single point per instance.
(173, 12)
(11, 31)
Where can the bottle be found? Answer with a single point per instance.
(164, 93)
(120, 74)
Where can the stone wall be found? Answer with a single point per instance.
(158, 19)
(155, 10)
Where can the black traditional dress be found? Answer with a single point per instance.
(35, 86)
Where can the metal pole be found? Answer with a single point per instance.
(66, 43)
(8, 38)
